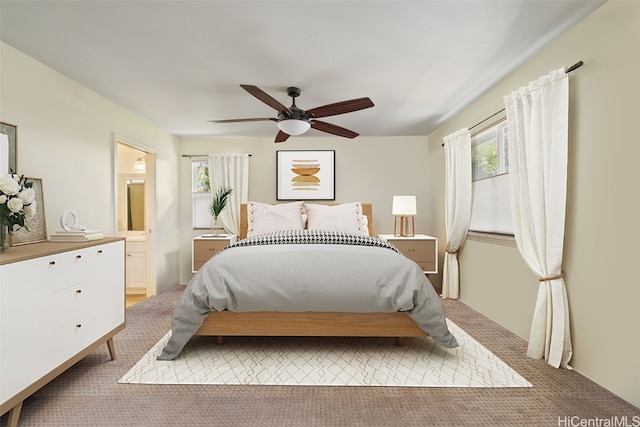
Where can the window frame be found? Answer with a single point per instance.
(200, 200)
(502, 234)
(502, 150)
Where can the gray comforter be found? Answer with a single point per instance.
(307, 271)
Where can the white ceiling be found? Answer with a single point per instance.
(179, 63)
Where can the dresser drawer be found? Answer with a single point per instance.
(74, 266)
(76, 300)
(74, 336)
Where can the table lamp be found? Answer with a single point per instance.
(404, 210)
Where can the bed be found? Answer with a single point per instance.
(308, 282)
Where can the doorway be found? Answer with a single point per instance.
(135, 207)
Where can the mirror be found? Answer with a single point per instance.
(132, 205)
(135, 204)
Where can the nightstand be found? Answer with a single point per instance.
(204, 247)
(420, 248)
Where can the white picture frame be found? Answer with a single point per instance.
(305, 175)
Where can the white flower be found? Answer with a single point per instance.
(30, 210)
(15, 204)
(9, 186)
(17, 201)
(28, 195)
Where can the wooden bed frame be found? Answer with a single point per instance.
(330, 324)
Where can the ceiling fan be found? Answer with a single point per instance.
(295, 121)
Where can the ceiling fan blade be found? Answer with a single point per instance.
(243, 120)
(281, 137)
(333, 129)
(265, 97)
(341, 107)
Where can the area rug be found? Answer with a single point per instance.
(327, 361)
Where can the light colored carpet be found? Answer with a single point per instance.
(327, 362)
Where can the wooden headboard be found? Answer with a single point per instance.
(367, 210)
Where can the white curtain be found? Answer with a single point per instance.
(457, 208)
(230, 170)
(537, 119)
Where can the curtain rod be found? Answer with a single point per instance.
(198, 155)
(567, 70)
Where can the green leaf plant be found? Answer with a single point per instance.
(219, 201)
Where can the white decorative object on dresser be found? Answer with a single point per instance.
(58, 302)
(420, 248)
(206, 246)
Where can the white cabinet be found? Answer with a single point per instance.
(58, 302)
(136, 267)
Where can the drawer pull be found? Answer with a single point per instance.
(79, 291)
(100, 251)
(78, 256)
(79, 325)
(52, 263)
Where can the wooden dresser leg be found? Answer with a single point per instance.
(112, 348)
(14, 414)
(220, 340)
(400, 341)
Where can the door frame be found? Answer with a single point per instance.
(151, 195)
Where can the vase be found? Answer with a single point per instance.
(4, 238)
(215, 226)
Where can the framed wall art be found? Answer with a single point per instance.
(305, 175)
(36, 224)
(8, 148)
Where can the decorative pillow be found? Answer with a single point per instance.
(364, 224)
(265, 218)
(346, 218)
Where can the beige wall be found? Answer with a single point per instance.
(601, 225)
(66, 137)
(367, 169)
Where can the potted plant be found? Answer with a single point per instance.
(218, 203)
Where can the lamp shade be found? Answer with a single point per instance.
(404, 206)
(294, 126)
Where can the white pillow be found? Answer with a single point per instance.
(346, 218)
(265, 218)
(364, 224)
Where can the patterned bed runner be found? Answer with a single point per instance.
(288, 237)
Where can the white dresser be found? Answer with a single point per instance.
(58, 302)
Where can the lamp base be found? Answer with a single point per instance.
(403, 229)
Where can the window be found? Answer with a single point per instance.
(201, 191)
(489, 152)
(491, 207)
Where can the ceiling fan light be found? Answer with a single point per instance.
(294, 126)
